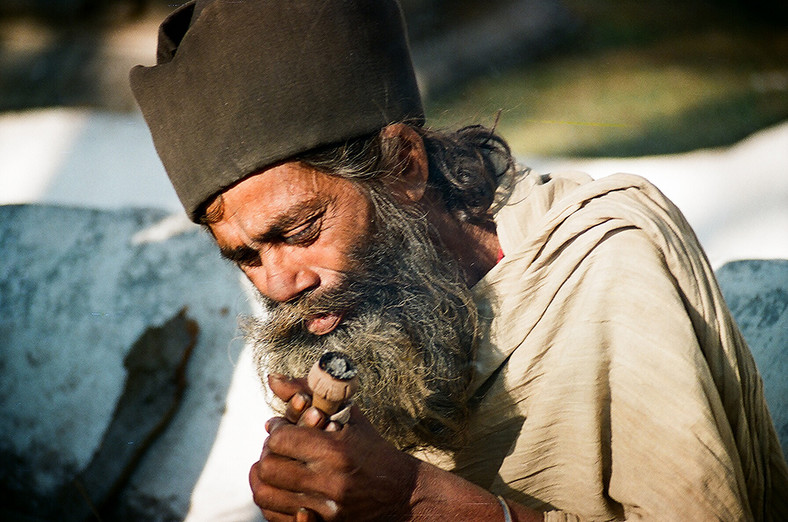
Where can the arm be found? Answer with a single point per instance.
(354, 474)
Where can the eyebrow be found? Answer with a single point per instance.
(279, 224)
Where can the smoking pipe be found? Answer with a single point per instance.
(333, 379)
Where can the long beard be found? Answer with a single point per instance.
(411, 330)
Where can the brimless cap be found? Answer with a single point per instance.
(240, 85)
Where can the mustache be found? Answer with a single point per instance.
(289, 317)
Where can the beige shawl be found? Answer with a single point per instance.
(612, 381)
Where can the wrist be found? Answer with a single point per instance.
(441, 495)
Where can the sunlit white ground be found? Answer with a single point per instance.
(736, 199)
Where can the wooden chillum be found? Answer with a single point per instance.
(333, 380)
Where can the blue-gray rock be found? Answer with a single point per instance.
(78, 289)
(757, 294)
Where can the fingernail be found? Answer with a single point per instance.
(273, 423)
(298, 401)
(312, 418)
(304, 515)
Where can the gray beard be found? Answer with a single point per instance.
(411, 330)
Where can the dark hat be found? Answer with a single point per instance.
(240, 85)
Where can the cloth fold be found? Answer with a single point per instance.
(611, 381)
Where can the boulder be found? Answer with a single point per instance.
(117, 345)
(756, 292)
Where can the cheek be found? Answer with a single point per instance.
(333, 257)
(332, 254)
(346, 229)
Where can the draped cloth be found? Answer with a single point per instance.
(611, 381)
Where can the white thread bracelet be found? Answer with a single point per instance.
(507, 515)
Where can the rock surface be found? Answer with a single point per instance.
(757, 294)
(78, 289)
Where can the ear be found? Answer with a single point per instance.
(411, 183)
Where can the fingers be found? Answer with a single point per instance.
(313, 418)
(272, 424)
(279, 505)
(296, 393)
(284, 387)
(310, 418)
(305, 515)
(284, 474)
(297, 443)
(296, 406)
(333, 426)
(271, 498)
(275, 488)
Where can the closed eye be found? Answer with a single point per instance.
(242, 256)
(306, 233)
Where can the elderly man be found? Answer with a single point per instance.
(529, 346)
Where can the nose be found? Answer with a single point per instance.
(281, 277)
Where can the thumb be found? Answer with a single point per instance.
(285, 387)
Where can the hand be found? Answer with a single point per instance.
(343, 473)
(295, 392)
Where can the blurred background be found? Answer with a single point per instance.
(569, 77)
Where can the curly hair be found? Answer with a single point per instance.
(465, 166)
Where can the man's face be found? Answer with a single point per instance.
(291, 230)
(352, 269)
